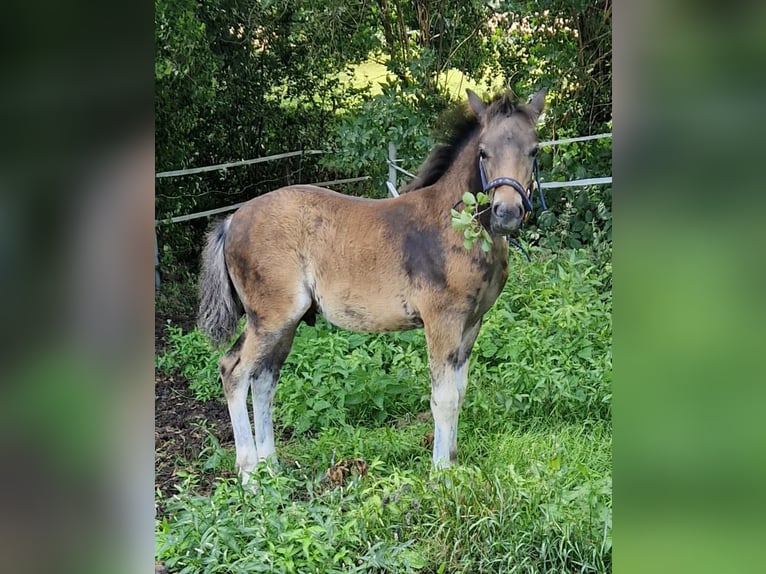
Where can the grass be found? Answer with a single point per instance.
(542, 502)
(532, 492)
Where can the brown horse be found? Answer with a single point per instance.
(370, 265)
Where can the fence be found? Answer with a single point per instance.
(209, 212)
(391, 183)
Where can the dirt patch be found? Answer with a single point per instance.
(182, 423)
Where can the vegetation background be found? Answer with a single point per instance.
(239, 79)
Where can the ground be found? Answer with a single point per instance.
(178, 416)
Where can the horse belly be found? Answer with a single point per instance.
(371, 317)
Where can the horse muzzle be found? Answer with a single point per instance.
(506, 218)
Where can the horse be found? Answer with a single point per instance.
(370, 265)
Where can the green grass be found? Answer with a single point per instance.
(532, 492)
(541, 502)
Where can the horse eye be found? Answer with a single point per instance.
(482, 153)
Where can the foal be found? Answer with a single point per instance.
(370, 265)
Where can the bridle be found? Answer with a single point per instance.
(525, 193)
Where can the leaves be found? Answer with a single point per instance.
(467, 222)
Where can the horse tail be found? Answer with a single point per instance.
(219, 305)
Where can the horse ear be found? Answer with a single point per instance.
(476, 104)
(537, 102)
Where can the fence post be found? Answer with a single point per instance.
(391, 164)
(156, 262)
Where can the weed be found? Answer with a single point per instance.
(189, 355)
(542, 504)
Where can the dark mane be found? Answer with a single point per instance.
(457, 126)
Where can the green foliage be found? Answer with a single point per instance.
(178, 286)
(566, 46)
(332, 377)
(466, 221)
(542, 502)
(545, 348)
(189, 355)
(577, 216)
(360, 136)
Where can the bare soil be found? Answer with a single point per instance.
(181, 423)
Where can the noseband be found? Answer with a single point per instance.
(514, 183)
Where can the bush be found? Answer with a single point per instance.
(545, 347)
(189, 355)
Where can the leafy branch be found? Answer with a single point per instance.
(467, 221)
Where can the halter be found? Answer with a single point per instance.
(524, 193)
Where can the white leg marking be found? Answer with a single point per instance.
(247, 456)
(445, 403)
(264, 386)
(461, 381)
(447, 397)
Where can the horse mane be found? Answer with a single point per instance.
(454, 128)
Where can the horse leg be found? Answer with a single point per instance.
(254, 363)
(263, 382)
(462, 361)
(235, 377)
(449, 348)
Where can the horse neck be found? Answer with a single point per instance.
(462, 175)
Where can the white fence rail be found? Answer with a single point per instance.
(219, 166)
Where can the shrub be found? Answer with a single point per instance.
(189, 355)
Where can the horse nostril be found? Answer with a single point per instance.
(497, 210)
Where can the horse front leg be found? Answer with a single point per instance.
(460, 362)
(445, 407)
(449, 351)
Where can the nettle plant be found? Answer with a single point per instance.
(467, 220)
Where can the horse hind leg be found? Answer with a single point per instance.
(253, 364)
(235, 377)
(263, 382)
